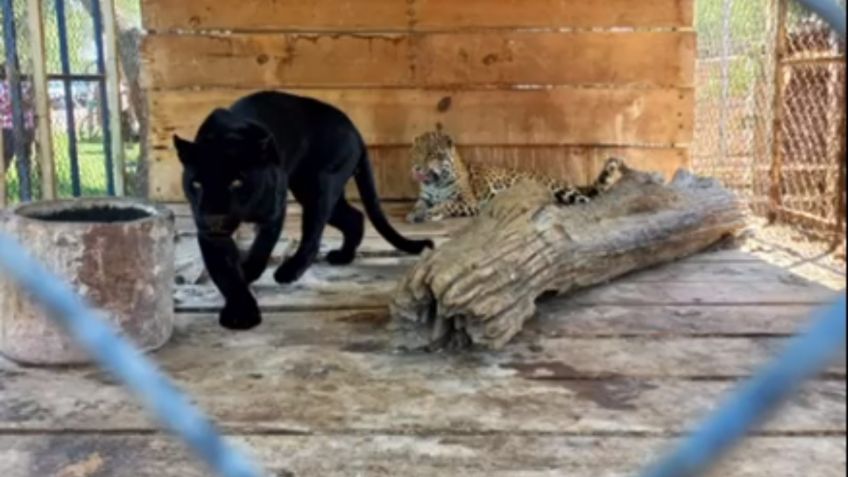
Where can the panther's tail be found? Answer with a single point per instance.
(364, 178)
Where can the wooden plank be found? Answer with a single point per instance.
(663, 59)
(44, 138)
(285, 15)
(375, 245)
(556, 58)
(640, 294)
(276, 60)
(392, 165)
(411, 456)
(447, 14)
(559, 318)
(555, 321)
(392, 264)
(393, 15)
(697, 358)
(559, 116)
(246, 388)
(370, 283)
(544, 352)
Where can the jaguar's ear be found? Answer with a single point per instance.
(186, 150)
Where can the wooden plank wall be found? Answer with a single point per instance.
(556, 85)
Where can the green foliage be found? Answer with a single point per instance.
(92, 164)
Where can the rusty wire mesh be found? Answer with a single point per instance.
(770, 114)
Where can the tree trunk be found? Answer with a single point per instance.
(481, 286)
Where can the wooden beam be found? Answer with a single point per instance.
(44, 137)
(474, 14)
(780, 8)
(418, 15)
(67, 454)
(601, 116)
(640, 59)
(113, 88)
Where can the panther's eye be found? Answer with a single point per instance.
(236, 184)
(196, 185)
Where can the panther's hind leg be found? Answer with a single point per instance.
(351, 223)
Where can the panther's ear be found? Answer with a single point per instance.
(186, 150)
(268, 150)
(265, 149)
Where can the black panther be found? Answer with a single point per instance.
(241, 166)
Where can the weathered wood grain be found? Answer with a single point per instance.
(392, 165)
(559, 116)
(316, 389)
(646, 59)
(371, 283)
(383, 455)
(558, 317)
(334, 15)
(276, 60)
(538, 354)
(555, 320)
(447, 14)
(394, 15)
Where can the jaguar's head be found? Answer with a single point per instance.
(434, 168)
(433, 158)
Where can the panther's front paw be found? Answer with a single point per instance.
(240, 315)
(251, 271)
(289, 272)
(340, 257)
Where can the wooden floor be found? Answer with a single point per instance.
(597, 386)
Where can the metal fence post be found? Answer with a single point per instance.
(108, 152)
(70, 107)
(44, 137)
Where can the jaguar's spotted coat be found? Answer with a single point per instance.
(451, 188)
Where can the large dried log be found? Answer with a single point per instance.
(481, 286)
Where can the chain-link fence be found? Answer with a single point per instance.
(74, 60)
(770, 115)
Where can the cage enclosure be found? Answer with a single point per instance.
(116, 253)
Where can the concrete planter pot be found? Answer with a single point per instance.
(117, 253)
